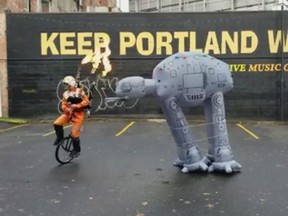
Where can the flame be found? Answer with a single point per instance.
(106, 62)
(97, 57)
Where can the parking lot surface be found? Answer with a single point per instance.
(125, 169)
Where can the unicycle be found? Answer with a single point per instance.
(63, 150)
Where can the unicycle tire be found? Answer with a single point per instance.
(63, 150)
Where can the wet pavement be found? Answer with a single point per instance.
(125, 169)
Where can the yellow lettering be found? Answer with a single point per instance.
(160, 43)
(285, 45)
(193, 43)
(245, 35)
(252, 67)
(264, 67)
(48, 43)
(268, 67)
(231, 43)
(127, 39)
(101, 40)
(212, 43)
(164, 40)
(65, 43)
(274, 42)
(237, 67)
(278, 67)
(140, 43)
(242, 68)
(181, 40)
(82, 43)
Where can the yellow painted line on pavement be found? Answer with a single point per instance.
(125, 128)
(247, 130)
(14, 127)
(52, 132)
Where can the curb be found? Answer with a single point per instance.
(149, 118)
(14, 120)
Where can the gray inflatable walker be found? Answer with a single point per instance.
(190, 79)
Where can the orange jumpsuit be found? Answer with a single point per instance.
(74, 102)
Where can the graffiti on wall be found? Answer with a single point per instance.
(98, 90)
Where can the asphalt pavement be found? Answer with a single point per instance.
(125, 169)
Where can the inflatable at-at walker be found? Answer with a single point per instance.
(190, 79)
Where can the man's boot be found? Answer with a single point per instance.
(59, 133)
(76, 147)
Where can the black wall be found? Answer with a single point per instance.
(33, 76)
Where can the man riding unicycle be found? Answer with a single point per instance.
(74, 101)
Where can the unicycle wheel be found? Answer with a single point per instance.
(63, 150)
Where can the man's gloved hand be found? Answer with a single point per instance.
(68, 111)
(74, 107)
